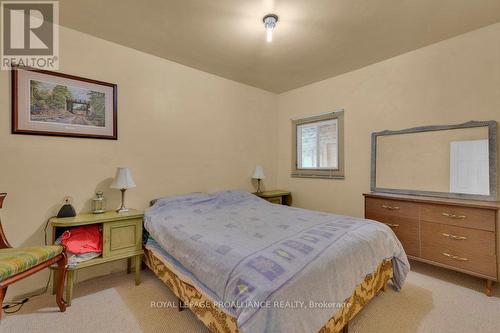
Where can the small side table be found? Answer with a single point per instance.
(276, 197)
(122, 239)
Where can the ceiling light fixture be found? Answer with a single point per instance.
(270, 21)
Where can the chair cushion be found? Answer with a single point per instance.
(18, 260)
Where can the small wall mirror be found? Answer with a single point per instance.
(453, 161)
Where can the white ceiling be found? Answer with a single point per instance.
(314, 40)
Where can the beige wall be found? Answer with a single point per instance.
(180, 130)
(454, 81)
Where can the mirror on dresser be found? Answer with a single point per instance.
(436, 188)
(451, 161)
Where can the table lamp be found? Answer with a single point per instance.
(259, 175)
(123, 181)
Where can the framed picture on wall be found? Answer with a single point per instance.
(52, 103)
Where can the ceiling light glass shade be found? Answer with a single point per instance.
(270, 23)
(269, 34)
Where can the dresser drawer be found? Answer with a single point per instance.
(391, 207)
(406, 230)
(122, 237)
(485, 265)
(476, 218)
(460, 239)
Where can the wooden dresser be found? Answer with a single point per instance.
(455, 234)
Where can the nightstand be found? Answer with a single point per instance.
(276, 197)
(121, 236)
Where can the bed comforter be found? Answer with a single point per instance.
(275, 268)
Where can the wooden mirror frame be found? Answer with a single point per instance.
(492, 141)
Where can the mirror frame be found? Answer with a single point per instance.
(492, 142)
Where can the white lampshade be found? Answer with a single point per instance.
(123, 179)
(259, 173)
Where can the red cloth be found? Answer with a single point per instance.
(83, 239)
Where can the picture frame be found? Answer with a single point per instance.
(58, 104)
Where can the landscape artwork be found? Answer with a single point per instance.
(58, 104)
(66, 104)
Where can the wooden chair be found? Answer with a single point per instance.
(18, 263)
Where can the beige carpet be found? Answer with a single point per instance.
(432, 300)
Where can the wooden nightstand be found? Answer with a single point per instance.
(276, 197)
(122, 239)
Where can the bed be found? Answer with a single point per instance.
(242, 264)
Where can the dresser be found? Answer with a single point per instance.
(455, 234)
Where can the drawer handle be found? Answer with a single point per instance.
(390, 207)
(454, 257)
(450, 236)
(392, 225)
(453, 216)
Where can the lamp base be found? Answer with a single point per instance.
(258, 186)
(122, 208)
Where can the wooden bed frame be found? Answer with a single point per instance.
(219, 321)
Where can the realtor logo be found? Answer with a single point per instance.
(30, 34)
